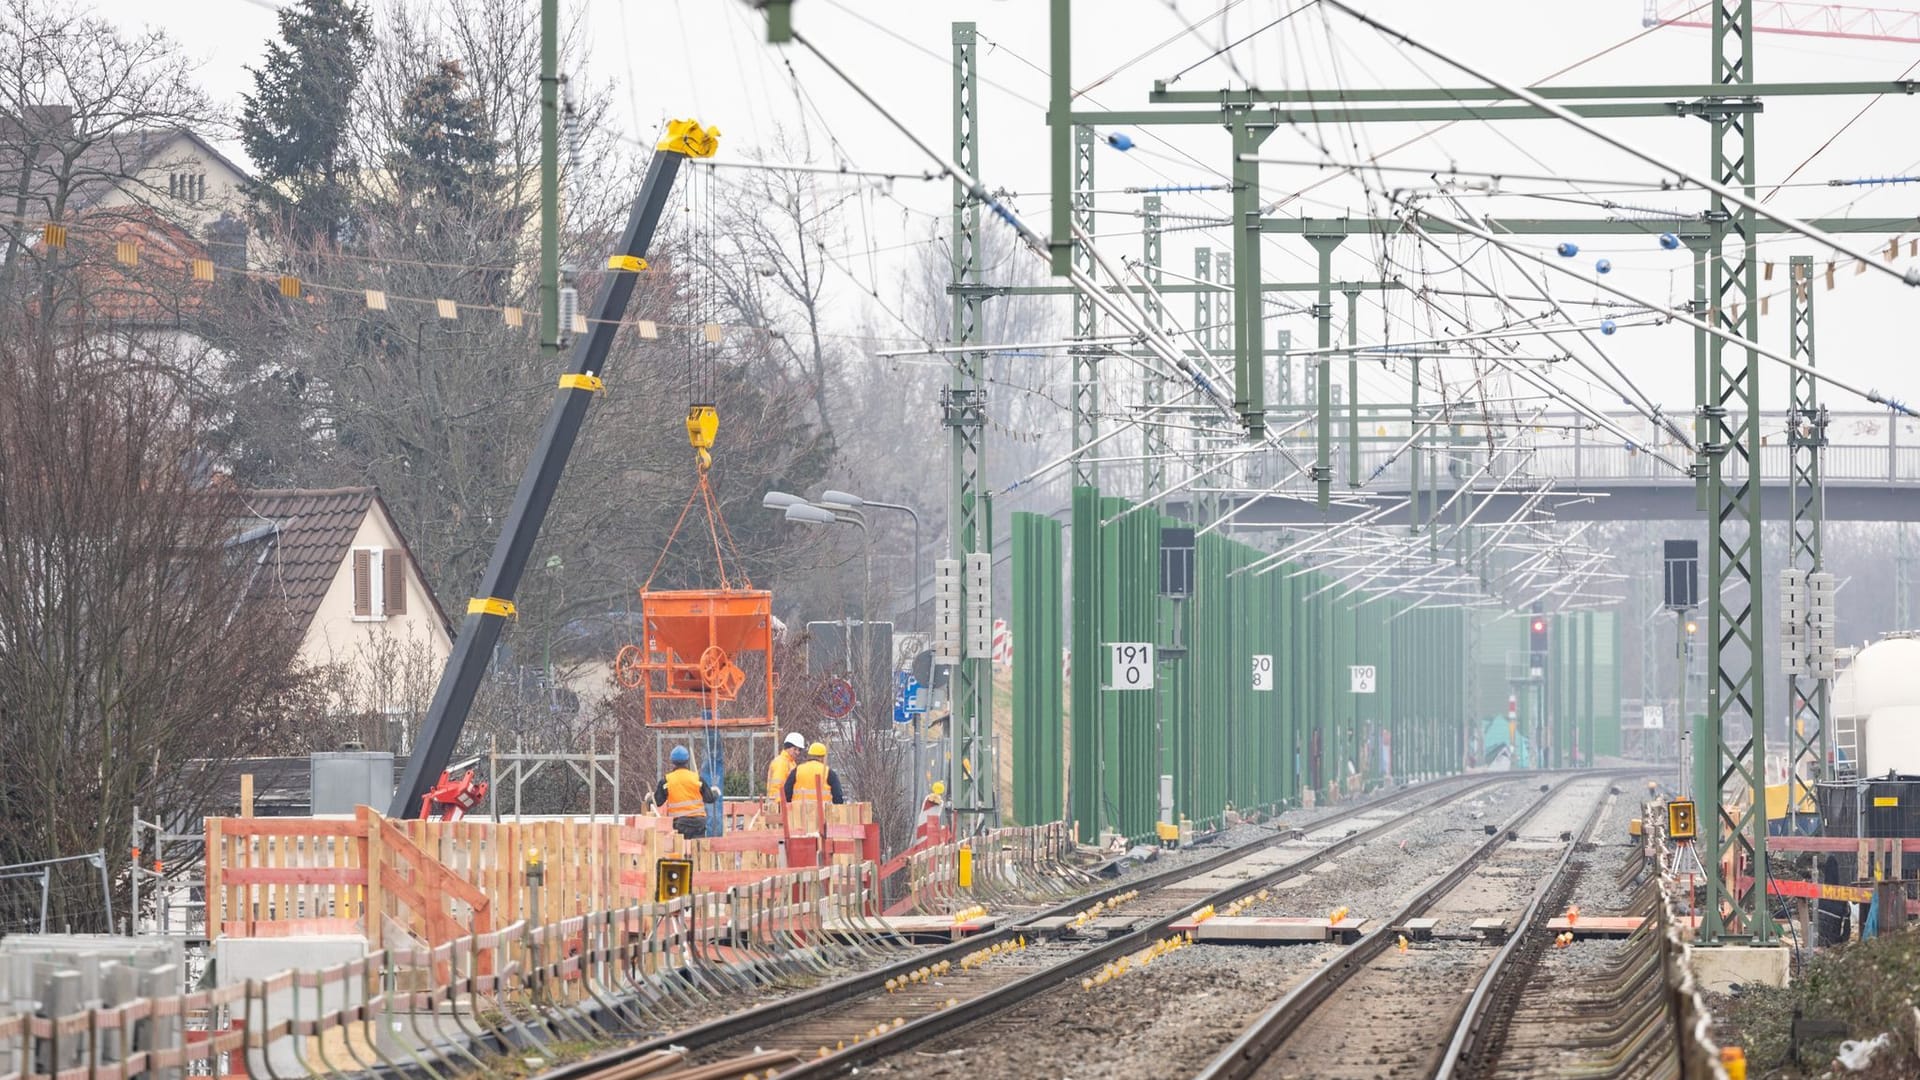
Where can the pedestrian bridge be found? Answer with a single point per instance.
(1579, 470)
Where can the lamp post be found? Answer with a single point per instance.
(802, 512)
(840, 499)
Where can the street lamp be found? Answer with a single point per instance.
(844, 500)
(780, 500)
(802, 512)
(853, 504)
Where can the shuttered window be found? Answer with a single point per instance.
(379, 583)
(393, 581)
(363, 582)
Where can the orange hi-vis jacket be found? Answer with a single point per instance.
(812, 779)
(685, 794)
(783, 763)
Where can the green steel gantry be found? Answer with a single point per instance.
(1807, 735)
(1737, 692)
(1728, 419)
(970, 769)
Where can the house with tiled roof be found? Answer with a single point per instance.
(65, 174)
(143, 216)
(336, 565)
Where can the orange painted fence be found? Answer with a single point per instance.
(430, 881)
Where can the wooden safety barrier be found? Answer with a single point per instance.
(435, 881)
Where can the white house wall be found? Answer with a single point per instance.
(336, 636)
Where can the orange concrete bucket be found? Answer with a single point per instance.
(703, 648)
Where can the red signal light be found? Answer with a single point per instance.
(1539, 626)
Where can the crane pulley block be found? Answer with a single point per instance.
(703, 423)
(689, 138)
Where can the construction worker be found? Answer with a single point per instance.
(682, 795)
(930, 810)
(813, 779)
(783, 763)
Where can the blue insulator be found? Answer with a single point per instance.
(1607, 326)
(1120, 140)
(1604, 266)
(1669, 241)
(1568, 250)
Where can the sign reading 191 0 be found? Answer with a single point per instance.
(1132, 666)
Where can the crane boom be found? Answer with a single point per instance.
(486, 612)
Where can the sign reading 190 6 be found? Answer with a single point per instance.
(1132, 665)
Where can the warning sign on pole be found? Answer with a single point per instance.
(1132, 665)
(1363, 677)
(1263, 671)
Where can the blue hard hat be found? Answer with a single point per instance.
(680, 756)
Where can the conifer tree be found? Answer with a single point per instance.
(295, 123)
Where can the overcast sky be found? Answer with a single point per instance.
(707, 58)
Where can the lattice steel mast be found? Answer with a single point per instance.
(1726, 758)
(964, 409)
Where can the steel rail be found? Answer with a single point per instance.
(806, 1003)
(1467, 1036)
(974, 1010)
(1249, 1052)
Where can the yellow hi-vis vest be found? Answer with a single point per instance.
(683, 794)
(810, 779)
(777, 774)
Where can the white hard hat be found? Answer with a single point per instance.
(796, 740)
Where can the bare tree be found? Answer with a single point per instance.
(83, 110)
(440, 413)
(125, 648)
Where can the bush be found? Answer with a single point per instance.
(1873, 986)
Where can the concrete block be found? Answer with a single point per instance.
(1232, 929)
(1421, 929)
(1718, 968)
(235, 960)
(1494, 930)
(27, 959)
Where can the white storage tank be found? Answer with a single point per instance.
(1881, 691)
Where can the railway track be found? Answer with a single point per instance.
(1539, 1010)
(862, 1018)
(1383, 1008)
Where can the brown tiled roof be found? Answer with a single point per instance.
(314, 530)
(310, 531)
(160, 289)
